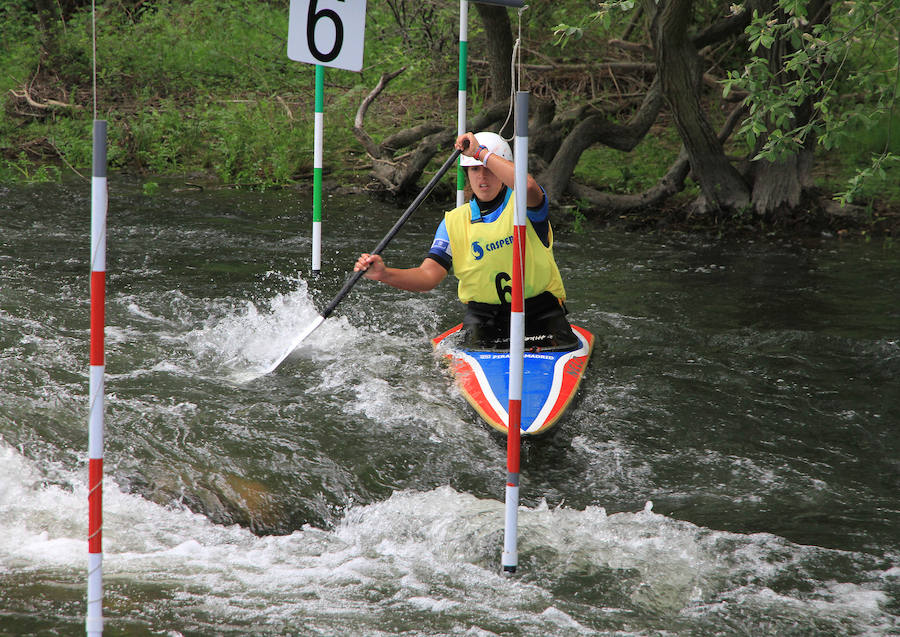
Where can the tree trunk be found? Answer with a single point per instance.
(498, 32)
(722, 186)
(779, 186)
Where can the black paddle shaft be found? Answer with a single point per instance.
(356, 276)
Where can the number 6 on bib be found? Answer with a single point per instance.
(327, 32)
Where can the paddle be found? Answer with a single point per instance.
(356, 276)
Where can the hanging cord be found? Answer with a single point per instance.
(517, 54)
(94, 52)
(515, 80)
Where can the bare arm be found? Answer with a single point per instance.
(420, 279)
(505, 170)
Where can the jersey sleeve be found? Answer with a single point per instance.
(542, 212)
(540, 219)
(440, 247)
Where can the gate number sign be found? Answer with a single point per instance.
(327, 32)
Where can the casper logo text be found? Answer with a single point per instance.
(478, 251)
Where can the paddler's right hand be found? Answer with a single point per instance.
(466, 144)
(371, 264)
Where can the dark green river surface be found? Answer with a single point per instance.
(731, 466)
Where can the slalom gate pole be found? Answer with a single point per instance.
(94, 622)
(99, 201)
(317, 170)
(461, 108)
(510, 557)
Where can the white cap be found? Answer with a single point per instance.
(494, 143)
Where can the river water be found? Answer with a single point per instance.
(731, 467)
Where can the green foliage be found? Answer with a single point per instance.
(579, 219)
(24, 170)
(19, 43)
(251, 144)
(602, 20)
(207, 85)
(72, 141)
(161, 139)
(880, 175)
(852, 54)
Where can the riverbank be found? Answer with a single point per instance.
(823, 220)
(220, 104)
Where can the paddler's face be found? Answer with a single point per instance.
(483, 183)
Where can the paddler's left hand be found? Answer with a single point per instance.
(371, 264)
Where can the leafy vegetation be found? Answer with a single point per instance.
(198, 87)
(852, 82)
(205, 87)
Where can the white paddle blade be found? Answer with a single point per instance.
(253, 374)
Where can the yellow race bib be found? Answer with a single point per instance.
(483, 254)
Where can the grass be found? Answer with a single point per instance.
(634, 171)
(206, 87)
(187, 88)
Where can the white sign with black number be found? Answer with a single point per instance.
(327, 32)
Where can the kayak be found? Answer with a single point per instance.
(550, 380)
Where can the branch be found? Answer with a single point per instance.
(408, 136)
(670, 183)
(24, 94)
(624, 67)
(731, 25)
(599, 129)
(634, 47)
(358, 129)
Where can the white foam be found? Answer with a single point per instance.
(39, 523)
(436, 551)
(250, 337)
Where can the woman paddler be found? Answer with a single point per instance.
(475, 239)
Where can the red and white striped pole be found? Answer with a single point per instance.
(510, 557)
(94, 622)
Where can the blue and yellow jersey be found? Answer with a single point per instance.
(479, 248)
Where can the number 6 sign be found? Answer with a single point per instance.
(327, 32)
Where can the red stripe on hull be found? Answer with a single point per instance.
(472, 390)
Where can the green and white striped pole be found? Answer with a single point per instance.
(463, 79)
(461, 110)
(317, 170)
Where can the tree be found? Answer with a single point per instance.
(819, 80)
(678, 66)
(399, 175)
(778, 68)
(789, 84)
